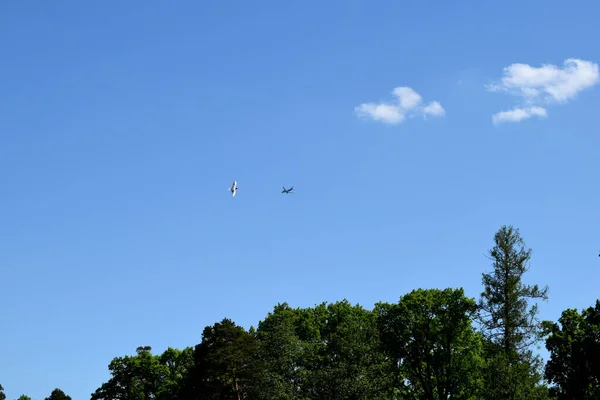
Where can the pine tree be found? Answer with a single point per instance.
(504, 304)
(509, 322)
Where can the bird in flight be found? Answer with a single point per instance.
(286, 191)
(233, 188)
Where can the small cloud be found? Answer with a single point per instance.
(519, 114)
(408, 103)
(385, 113)
(548, 84)
(435, 109)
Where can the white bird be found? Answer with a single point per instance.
(233, 188)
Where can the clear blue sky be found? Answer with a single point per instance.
(123, 124)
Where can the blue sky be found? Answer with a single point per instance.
(122, 126)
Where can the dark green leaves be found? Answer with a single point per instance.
(224, 363)
(505, 314)
(145, 375)
(58, 394)
(508, 321)
(574, 346)
(429, 337)
(422, 348)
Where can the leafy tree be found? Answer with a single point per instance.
(430, 338)
(506, 379)
(422, 348)
(508, 322)
(574, 346)
(224, 364)
(138, 377)
(283, 369)
(329, 351)
(2, 395)
(177, 363)
(23, 397)
(350, 363)
(58, 394)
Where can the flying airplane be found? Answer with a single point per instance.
(286, 191)
(233, 188)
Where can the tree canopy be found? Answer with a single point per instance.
(58, 394)
(574, 346)
(431, 344)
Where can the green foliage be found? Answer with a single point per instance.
(23, 397)
(224, 363)
(507, 379)
(282, 351)
(424, 347)
(509, 323)
(145, 375)
(58, 394)
(177, 363)
(428, 335)
(504, 302)
(343, 354)
(574, 346)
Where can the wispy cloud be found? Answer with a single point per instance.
(545, 85)
(519, 114)
(408, 103)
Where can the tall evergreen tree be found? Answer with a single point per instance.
(507, 318)
(509, 322)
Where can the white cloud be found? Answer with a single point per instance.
(386, 113)
(407, 97)
(408, 103)
(547, 84)
(435, 109)
(519, 114)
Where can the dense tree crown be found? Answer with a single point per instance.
(431, 344)
(58, 394)
(574, 346)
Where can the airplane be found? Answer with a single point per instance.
(286, 191)
(233, 188)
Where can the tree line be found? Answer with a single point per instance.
(56, 394)
(432, 344)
